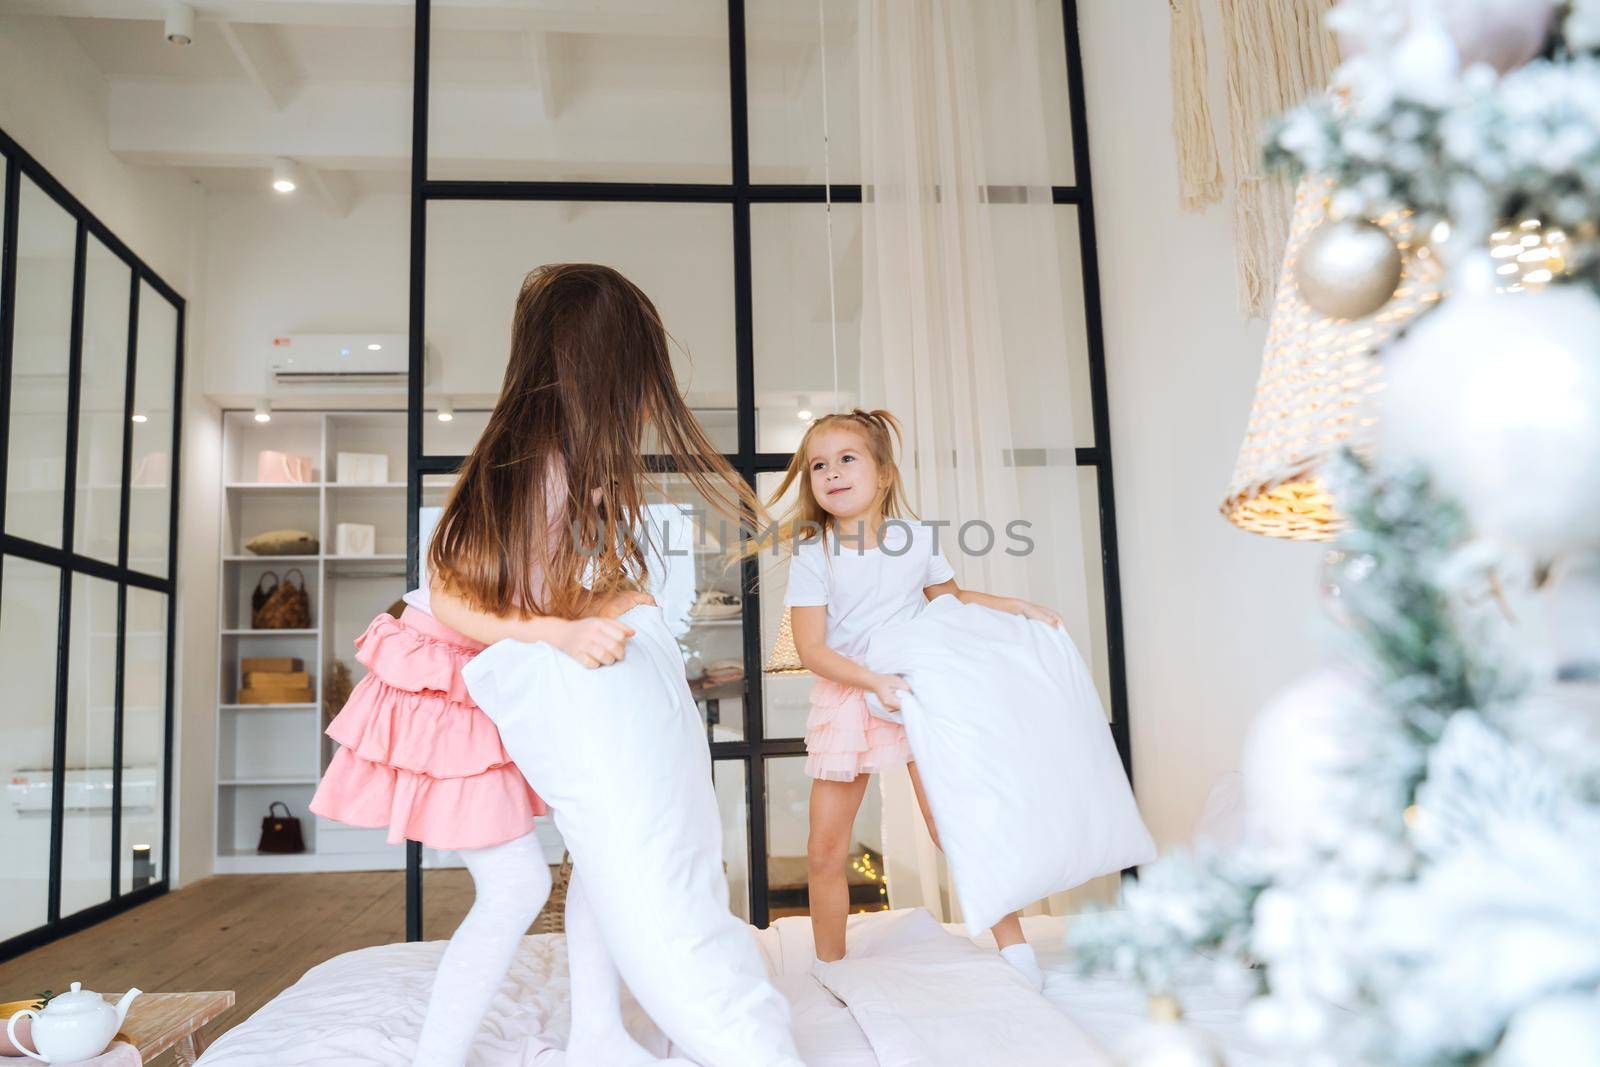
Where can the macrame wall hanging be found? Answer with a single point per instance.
(1276, 52)
(1199, 168)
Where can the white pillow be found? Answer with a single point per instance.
(620, 755)
(1015, 755)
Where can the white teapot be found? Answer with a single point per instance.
(77, 1025)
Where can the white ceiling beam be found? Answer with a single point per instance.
(336, 189)
(261, 60)
(282, 12)
(230, 124)
(543, 60)
(482, 131)
(661, 18)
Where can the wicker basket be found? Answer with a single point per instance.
(553, 916)
(1317, 377)
(784, 657)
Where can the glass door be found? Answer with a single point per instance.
(91, 358)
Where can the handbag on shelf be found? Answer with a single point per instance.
(281, 834)
(262, 591)
(283, 468)
(286, 607)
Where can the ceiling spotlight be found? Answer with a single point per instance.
(137, 417)
(446, 410)
(263, 410)
(804, 413)
(374, 347)
(285, 175)
(180, 23)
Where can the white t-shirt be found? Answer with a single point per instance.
(418, 598)
(865, 589)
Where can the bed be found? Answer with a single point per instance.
(365, 1007)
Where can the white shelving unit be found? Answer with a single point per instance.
(272, 752)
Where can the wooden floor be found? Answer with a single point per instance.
(253, 934)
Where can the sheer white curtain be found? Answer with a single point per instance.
(964, 335)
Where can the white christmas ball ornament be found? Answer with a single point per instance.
(1498, 396)
(1296, 760)
(1347, 268)
(1505, 34)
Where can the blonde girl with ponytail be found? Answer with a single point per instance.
(860, 561)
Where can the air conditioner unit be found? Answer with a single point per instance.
(346, 360)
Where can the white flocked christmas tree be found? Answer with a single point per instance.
(1419, 883)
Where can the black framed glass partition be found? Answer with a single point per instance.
(91, 373)
(682, 144)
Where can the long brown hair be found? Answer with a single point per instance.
(806, 519)
(589, 372)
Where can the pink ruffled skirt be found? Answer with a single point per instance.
(415, 753)
(844, 739)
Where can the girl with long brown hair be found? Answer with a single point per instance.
(537, 543)
(859, 565)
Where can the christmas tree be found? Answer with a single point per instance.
(1419, 883)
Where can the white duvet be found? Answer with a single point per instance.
(363, 1009)
(924, 997)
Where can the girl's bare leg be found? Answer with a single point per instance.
(1007, 931)
(833, 814)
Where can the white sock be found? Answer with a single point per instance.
(511, 882)
(1022, 958)
(823, 965)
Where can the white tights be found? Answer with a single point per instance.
(598, 1037)
(511, 882)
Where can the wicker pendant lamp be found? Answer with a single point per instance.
(1317, 374)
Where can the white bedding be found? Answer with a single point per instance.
(925, 997)
(365, 1007)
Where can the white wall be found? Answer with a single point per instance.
(277, 265)
(53, 103)
(1215, 619)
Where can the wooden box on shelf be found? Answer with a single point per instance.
(273, 694)
(258, 664)
(279, 680)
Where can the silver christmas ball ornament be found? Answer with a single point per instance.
(1347, 268)
(1498, 396)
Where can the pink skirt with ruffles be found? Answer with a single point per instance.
(844, 739)
(415, 753)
